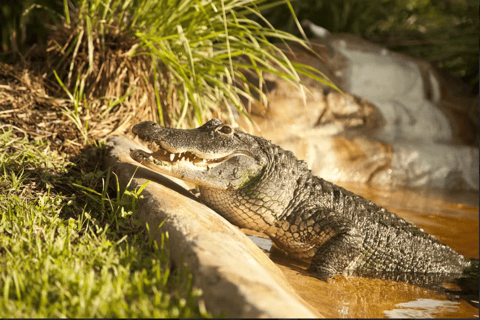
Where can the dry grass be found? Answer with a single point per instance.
(26, 107)
(108, 69)
(29, 99)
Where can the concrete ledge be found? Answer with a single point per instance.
(233, 273)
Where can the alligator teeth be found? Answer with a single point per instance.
(172, 156)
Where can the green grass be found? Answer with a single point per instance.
(81, 255)
(206, 44)
(198, 51)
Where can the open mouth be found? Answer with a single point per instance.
(163, 155)
(165, 158)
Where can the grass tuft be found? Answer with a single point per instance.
(184, 60)
(62, 256)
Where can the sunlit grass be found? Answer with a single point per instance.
(62, 257)
(199, 51)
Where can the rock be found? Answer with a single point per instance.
(399, 123)
(234, 274)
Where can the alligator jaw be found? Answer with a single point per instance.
(163, 159)
(205, 156)
(188, 165)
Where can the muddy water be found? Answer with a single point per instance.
(452, 217)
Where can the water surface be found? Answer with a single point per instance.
(451, 217)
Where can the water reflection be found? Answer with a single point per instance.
(360, 297)
(428, 280)
(424, 308)
(263, 243)
(453, 218)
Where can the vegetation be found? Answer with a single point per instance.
(22, 28)
(442, 32)
(188, 58)
(64, 256)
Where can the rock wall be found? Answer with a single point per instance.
(398, 122)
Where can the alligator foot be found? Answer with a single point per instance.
(323, 275)
(336, 254)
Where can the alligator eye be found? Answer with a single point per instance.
(226, 129)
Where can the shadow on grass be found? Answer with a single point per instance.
(70, 241)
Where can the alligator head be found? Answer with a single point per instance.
(214, 155)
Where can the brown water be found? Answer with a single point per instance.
(452, 217)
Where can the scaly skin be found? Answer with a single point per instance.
(257, 185)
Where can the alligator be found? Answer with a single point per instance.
(257, 185)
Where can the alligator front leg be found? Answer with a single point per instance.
(339, 251)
